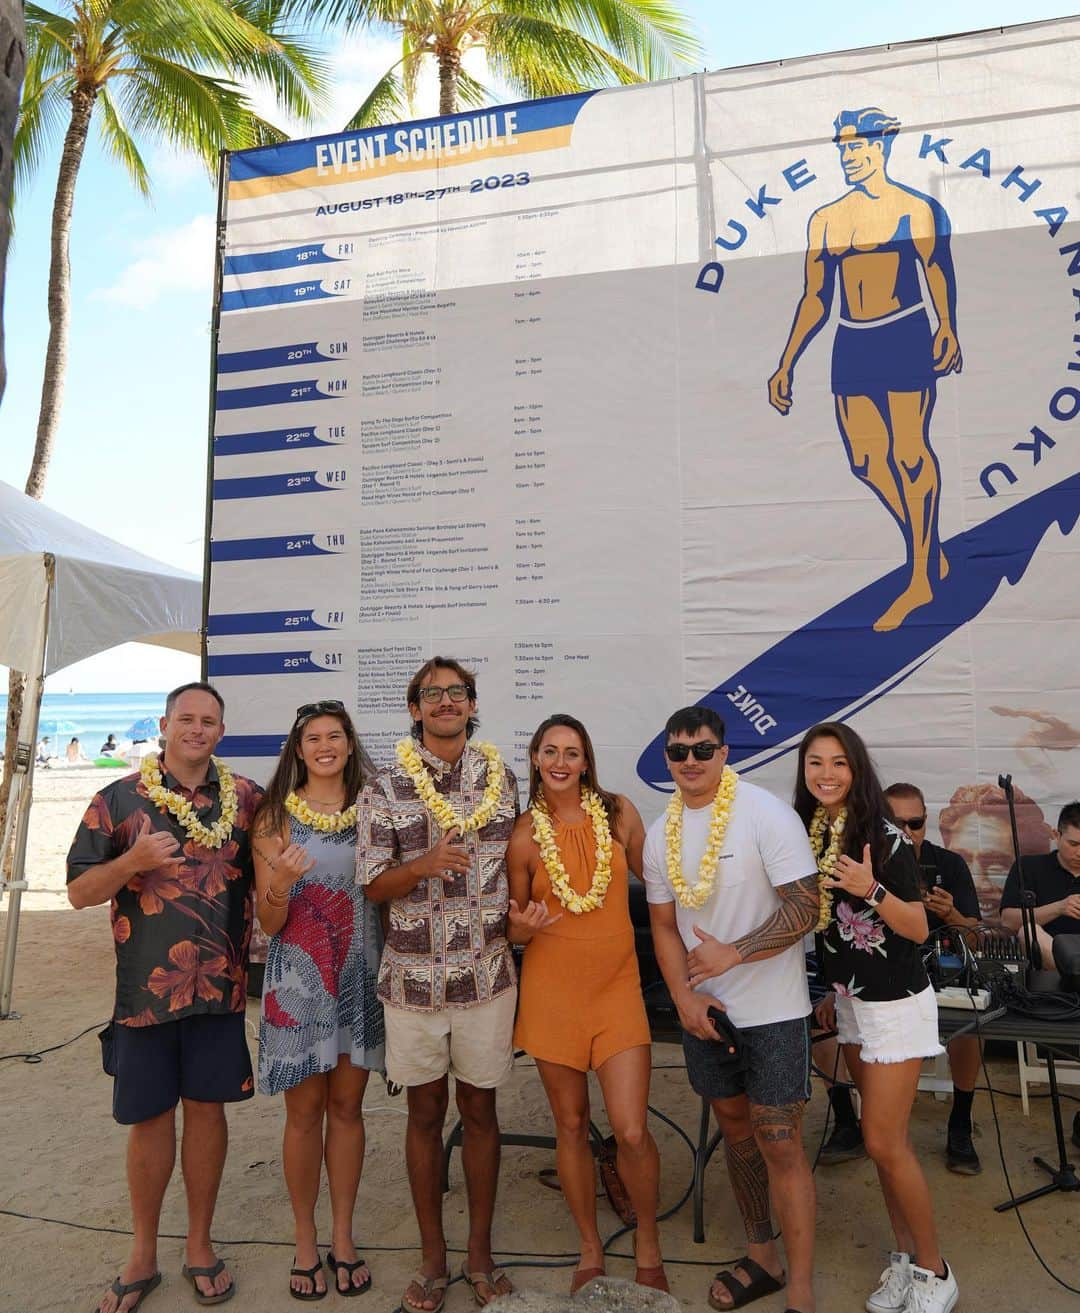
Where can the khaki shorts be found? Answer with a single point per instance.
(473, 1044)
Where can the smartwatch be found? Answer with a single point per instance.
(876, 896)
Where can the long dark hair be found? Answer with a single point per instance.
(610, 801)
(867, 806)
(290, 773)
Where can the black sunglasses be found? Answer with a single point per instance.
(329, 705)
(912, 822)
(701, 751)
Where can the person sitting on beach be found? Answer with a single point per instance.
(110, 748)
(321, 1030)
(167, 847)
(73, 753)
(581, 1008)
(44, 753)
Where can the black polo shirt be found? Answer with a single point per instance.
(1051, 882)
(946, 870)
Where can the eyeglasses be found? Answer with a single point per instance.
(702, 751)
(455, 692)
(319, 708)
(912, 822)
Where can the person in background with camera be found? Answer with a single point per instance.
(432, 843)
(733, 891)
(581, 1007)
(321, 1030)
(881, 1001)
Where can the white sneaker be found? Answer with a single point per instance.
(930, 1293)
(892, 1292)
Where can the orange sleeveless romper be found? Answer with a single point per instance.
(579, 1000)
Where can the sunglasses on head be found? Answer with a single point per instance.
(328, 706)
(702, 751)
(455, 692)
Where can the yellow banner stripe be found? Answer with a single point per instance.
(312, 180)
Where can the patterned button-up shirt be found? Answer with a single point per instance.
(181, 933)
(446, 946)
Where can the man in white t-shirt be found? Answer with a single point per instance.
(729, 936)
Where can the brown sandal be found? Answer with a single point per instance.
(432, 1287)
(583, 1276)
(490, 1279)
(653, 1277)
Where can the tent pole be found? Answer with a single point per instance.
(22, 786)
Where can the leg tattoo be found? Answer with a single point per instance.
(750, 1181)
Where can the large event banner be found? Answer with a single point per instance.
(759, 388)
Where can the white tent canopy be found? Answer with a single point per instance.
(102, 592)
(67, 592)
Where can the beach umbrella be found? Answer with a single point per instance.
(60, 726)
(146, 727)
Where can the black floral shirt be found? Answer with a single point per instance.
(863, 958)
(181, 933)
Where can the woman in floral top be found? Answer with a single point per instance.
(881, 1002)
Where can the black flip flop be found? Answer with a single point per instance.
(311, 1273)
(144, 1287)
(335, 1265)
(761, 1283)
(190, 1273)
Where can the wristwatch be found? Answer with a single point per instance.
(876, 895)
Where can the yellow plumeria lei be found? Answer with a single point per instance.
(212, 836)
(826, 857)
(326, 822)
(441, 810)
(698, 895)
(544, 834)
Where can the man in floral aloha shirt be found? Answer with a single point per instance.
(177, 874)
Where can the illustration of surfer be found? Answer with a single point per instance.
(896, 336)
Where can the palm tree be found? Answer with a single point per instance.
(535, 47)
(142, 69)
(12, 63)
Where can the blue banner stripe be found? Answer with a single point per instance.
(251, 298)
(262, 622)
(271, 357)
(264, 549)
(269, 485)
(290, 257)
(292, 157)
(264, 663)
(252, 745)
(272, 394)
(244, 444)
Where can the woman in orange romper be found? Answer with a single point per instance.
(580, 1007)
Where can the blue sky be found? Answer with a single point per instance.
(130, 459)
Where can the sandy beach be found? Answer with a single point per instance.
(63, 1160)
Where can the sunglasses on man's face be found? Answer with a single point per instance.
(327, 707)
(702, 751)
(912, 822)
(455, 692)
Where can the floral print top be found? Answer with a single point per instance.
(181, 933)
(862, 957)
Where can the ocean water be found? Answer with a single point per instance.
(91, 717)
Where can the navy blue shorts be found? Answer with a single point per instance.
(777, 1065)
(896, 355)
(204, 1057)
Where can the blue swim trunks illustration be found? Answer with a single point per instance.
(886, 246)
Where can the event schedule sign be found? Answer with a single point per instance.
(758, 388)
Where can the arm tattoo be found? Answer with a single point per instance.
(797, 914)
(776, 1124)
(750, 1183)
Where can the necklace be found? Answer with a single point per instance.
(826, 857)
(440, 809)
(720, 815)
(325, 822)
(182, 808)
(544, 834)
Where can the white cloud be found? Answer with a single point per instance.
(175, 260)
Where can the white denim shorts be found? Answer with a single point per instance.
(473, 1044)
(894, 1031)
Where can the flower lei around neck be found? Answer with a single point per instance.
(720, 814)
(544, 834)
(826, 857)
(440, 808)
(212, 836)
(325, 822)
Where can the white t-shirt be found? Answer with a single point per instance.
(765, 846)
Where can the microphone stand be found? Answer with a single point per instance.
(1062, 1177)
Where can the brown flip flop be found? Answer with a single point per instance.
(433, 1288)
